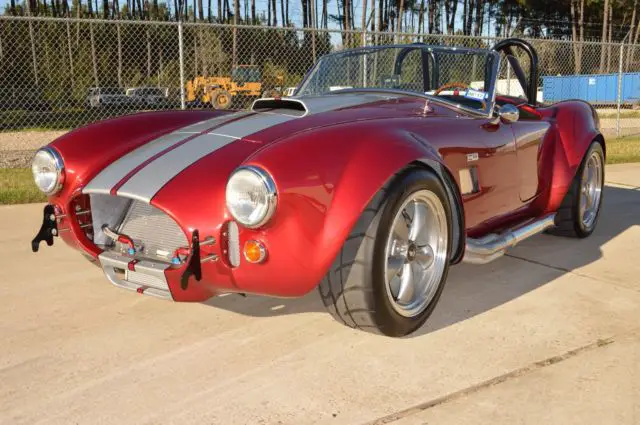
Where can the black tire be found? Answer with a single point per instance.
(354, 290)
(568, 221)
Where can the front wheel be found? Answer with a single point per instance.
(391, 270)
(221, 99)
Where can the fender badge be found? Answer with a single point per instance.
(471, 157)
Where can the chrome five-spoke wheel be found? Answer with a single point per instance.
(392, 268)
(591, 189)
(416, 253)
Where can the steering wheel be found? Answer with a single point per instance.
(463, 86)
(450, 86)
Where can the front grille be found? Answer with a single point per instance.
(147, 280)
(150, 228)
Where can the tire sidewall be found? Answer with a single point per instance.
(388, 320)
(581, 230)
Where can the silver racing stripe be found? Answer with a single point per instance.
(141, 173)
(147, 182)
(117, 170)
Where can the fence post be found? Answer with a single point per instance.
(181, 53)
(619, 98)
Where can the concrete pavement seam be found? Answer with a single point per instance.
(393, 417)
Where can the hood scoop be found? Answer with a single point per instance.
(307, 105)
(292, 107)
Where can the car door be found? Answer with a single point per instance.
(529, 136)
(496, 166)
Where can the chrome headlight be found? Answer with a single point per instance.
(251, 196)
(48, 171)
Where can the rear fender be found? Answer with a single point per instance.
(575, 126)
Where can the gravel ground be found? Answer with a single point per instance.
(26, 140)
(17, 147)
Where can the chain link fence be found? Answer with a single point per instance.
(57, 74)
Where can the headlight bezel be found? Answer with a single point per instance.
(272, 195)
(59, 170)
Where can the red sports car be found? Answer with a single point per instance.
(390, 164)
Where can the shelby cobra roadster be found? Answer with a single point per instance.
(388, 165)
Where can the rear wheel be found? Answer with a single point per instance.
(391, 270)
(580, 209)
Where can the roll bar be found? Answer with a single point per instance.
(530, 87)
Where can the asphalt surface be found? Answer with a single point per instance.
(549, 334)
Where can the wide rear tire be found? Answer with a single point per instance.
(580, 209)
(383, 280)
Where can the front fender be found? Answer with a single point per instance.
(325, 179)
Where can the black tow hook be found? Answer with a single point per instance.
(48, 230)
(194, 267)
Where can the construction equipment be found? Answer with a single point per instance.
(219, 92)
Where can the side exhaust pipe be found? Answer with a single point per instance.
(493, 246)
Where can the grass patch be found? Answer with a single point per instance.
(17, 187)
(623, 150)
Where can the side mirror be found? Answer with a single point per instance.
(509, 113)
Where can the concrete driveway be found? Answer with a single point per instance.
(549, 334)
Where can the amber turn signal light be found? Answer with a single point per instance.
(254, 251)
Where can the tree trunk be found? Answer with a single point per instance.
(93, 56)
(33, 53)
(431, 16)
(633, 21)
(71, 73)
(574, 35)
(364, 22)
(13, 7)
(236, 10)
(105, 9)
(200, 10)
(253, 12)
(581, 45)
(421, 17)
(373, 15)
(284, 20)
(605, 21)
(610, 31)
(479, 16)
(400, 13)
(275, 13)
(149, 53)
(119, 57)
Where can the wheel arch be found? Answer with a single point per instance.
(455, 203)
(323, 195)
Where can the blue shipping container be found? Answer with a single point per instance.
(597, 89)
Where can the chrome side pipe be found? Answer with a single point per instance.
(493, 246)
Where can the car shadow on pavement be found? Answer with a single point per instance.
(472, 289)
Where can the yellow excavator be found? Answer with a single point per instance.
(245, 82)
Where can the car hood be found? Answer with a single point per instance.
(143, 172)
